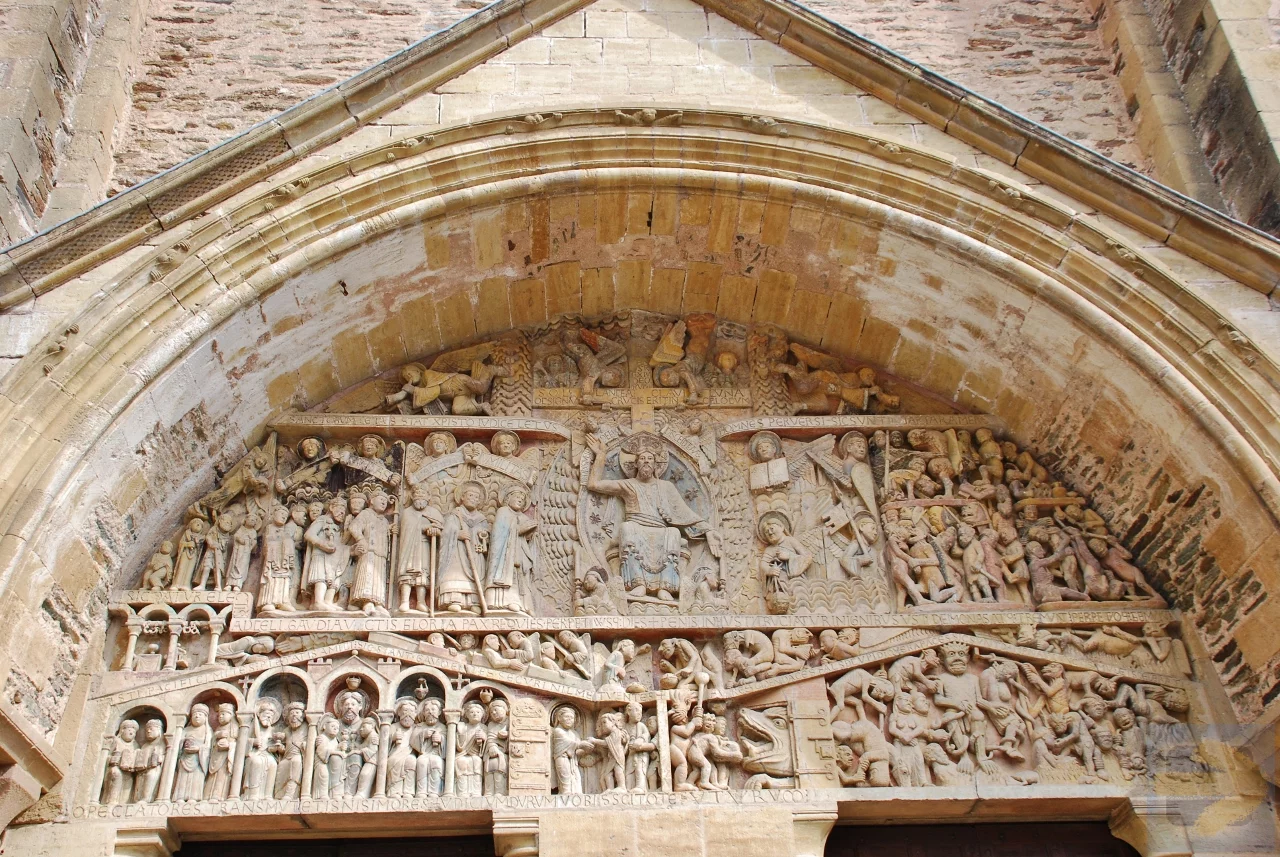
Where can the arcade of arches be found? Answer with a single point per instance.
(649, 479)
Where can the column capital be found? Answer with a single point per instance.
(1153, 826)
(810, 829)
(515, 835)
(147, 842)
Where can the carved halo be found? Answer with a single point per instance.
(639, 443)
(780, 517)
(849, 437)
(451, 442)
(352, 692)
(463, 486)
(498, 435)
(758, 440)
(382, 446)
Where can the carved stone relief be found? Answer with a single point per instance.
(635, 554)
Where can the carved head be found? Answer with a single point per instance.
(667, 376)
(727, 361)
(965, 534)
(357, 502)
(955, 657)
(646, 465)
(867, 376)
(407, 712)
(310, 448)
(471, 495)
(350, 706)
(1123, 718)
(128, 730)
(379, 501)
(868, 527)
(199, 715)
(330, 726)
(774, 527)
(505, 444)
(764, 446)
(315, 509)
(844, 755)
(430, 713)
(440, 443)
(473, 713)
(466, 642)
(566, 717)
(294, 714)
(226, 714)
(154, 729)
(166, 547)
(612, 377)
(338, 509)
(693, 427)
(1094, 707)
(634, 711)
(368, 728)
(1052, 671)
(279, 515)
(592, 580)
(372, 446)
(412, 373)
(826, 640)
(854, 445)
(498, 710)
(268, 712)
(490, 642)
(517, 498)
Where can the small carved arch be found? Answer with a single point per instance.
(353, 677)
(205, 612)
(157, 612)
(140, 714)
(437, 684)
(284, 684)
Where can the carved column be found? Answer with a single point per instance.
(664, 744)
(215, 633)
(450, 746)
(135, 630)
(100, 775)
(309, 752)
(1153, 826)
(242, 750)
(384, 738)
(171, 757)
(171, 656)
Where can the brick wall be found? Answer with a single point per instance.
(210, 70)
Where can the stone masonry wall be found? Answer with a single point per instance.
(209, 70)
(212, 69)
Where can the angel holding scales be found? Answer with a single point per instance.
(652, 540)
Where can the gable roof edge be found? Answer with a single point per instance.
(1183, 223)
(39, 264)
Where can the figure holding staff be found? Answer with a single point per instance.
(420, 527)
(463, 540)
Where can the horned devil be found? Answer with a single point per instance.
(766, 748)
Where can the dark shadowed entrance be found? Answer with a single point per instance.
(1087, 839)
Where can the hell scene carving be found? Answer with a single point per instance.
(635, 554)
